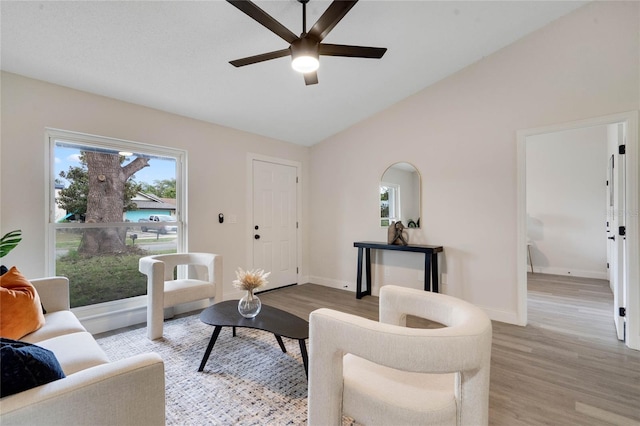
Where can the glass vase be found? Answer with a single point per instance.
(249, 306)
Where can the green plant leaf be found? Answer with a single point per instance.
(9, 241)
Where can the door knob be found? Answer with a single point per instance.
(257, 237)
(613, 237)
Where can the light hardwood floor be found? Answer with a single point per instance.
(566, 367)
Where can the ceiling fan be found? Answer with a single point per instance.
(305, 50)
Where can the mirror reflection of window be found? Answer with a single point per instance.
(389, 203)
(400, 178)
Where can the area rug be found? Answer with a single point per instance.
(248, 380)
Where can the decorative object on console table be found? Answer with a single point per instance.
(430, 263)
(249, 306)
(397, 234)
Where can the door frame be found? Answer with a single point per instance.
(251, 157)
(616, 188)
(632, 219)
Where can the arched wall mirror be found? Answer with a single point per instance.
(400, 195)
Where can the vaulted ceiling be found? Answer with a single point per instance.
(174, 56)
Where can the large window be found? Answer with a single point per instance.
(112, 202)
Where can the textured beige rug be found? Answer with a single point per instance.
(248, 380)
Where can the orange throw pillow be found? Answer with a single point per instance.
(20, 309)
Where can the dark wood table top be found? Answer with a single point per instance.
(273, 320)
(420, 248)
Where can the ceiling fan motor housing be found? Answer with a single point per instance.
(304, 47)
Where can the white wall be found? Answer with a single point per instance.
(217, 166)
(461, 136)
(566, 202)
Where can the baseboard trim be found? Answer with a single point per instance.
(502, 316)
(110, 316)
(114, 315)
(329, 282)
(567, 272)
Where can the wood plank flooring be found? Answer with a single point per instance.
(566, 367)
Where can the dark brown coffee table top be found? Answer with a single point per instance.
(273, 320)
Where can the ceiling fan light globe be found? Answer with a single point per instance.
(305, 64)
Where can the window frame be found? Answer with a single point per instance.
(82, 139)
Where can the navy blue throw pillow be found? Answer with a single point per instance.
(24, 366)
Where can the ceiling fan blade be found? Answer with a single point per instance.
(311, 78)
(265, 19)
(260, 58)
(351, 51)
(330, 18)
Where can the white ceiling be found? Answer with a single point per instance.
(174, 55)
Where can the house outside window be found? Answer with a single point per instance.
(111, 202)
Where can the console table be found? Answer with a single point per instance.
(430, 263)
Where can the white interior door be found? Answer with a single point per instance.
(275, 222)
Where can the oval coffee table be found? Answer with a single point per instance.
(273, 320)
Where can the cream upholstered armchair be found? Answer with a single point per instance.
(204, 280)
(383, 373)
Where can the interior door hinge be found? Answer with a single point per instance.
(296, 179)
(622, 312)
(622, 149)
(622, 231)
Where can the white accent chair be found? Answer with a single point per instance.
(383, 373)
(204, 280)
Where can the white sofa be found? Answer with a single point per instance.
(95, 391)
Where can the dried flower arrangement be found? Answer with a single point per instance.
(250, 280)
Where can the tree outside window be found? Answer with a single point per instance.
(103, 199)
